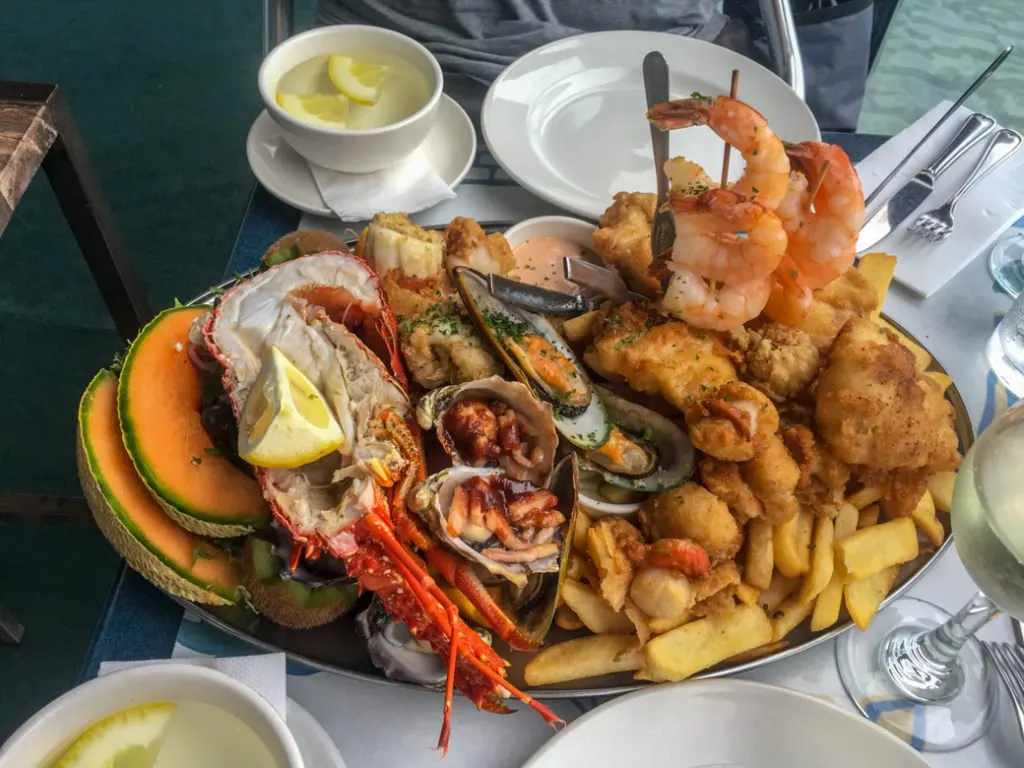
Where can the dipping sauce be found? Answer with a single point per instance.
(399, 91)
(539, 262)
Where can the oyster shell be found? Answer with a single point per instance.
(526, 454)
(646, 451)
(540, 358)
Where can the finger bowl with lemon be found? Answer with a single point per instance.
(352, 98)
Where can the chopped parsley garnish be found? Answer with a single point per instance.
(625, 341)
(613, 320)
(196, 460)
(504, 326)
(214, 452)
(699, 95)
(443, 319)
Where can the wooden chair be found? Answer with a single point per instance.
(37, 131)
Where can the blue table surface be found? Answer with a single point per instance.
(141, 622)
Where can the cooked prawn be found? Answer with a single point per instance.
(716, 307)
(731, 422)
(766, 175)
(721, 235)
(825, 245)
(795, 206)
(790, 298)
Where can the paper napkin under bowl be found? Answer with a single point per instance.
(412, 185)
(981, 216)
(264, 673)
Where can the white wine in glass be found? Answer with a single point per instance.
(914, 655)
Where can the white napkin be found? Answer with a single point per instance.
(988, 209)
(264, 673)
(412, 185)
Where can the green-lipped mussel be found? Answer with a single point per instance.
(541, 359)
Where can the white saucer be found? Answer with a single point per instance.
(450, 148)
(723, 724)
(317, 748)
(567, 121)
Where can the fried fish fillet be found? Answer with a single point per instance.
(874, 409)
(623, 239)
(657, 355)
(466, 244)
(850, 295)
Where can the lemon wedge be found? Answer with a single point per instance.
(128, 738)
(286, 422)
(361, 81)
(327, 109)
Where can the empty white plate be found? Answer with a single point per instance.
(317, 748)
(450, 147)
(567, 121)
(723, 724)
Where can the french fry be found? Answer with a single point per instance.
(579, 532)
(940, 486)
(661, 626)
(759, 561)
(705, 642)
(869, 494)
(924, 516)
(921, 355)
(944, 380)
(640, 620)
(869, 516)
(593, 611)
(864, 596)
(584, 657)
(874, 549)
(780, 588)
(846, 521)
(756, 653)
(790, 542)
(579, 328)
(576, 567)
(788, 616)
(567, 619)
(878, 268)
(827, 605)
(747, 594)
(822, 562)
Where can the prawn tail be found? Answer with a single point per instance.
(680, 113)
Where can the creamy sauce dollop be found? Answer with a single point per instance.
(539, 262)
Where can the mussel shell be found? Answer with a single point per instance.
(669, 442)
(585, 426)
(536, 414)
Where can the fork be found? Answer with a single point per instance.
(937, 225)
(1009, 662)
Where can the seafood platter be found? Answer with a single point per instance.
(572, 466)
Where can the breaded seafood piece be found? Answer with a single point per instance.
(623, 239)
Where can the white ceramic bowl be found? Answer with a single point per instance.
(574, 230)
(340, 149)
(40, 739)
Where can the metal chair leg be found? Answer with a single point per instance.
(11, 631)
(71, 175)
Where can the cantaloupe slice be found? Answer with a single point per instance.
(159, 398)
(177, 561)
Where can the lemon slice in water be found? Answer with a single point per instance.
(129, 738)
(328, 109)
(286, 422)
(361, 81)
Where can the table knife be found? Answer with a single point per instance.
(663, 229)
(910, 197)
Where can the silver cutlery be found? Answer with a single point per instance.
(937, 225)
(534, 298)
(603, 280)
(948, 114)
(1009, 663)
(663, 228)
(912, 194)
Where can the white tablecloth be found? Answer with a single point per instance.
(377, 725)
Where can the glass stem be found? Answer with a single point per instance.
(943, 643)
(924, 665)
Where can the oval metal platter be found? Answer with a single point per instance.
(338, 648)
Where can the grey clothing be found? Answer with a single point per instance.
(479, 38)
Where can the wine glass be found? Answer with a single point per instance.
(1006, 263)
(917, 658)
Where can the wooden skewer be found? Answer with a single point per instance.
(817, 184)
(725, 160)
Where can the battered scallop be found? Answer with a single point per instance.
(693, 512)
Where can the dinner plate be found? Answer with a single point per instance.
(567, 121)
(337, 647)
(723, 724)
(317, 747)
(450, 147)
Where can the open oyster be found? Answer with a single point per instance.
(645, 451)
(493, 423)
(541, 359)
